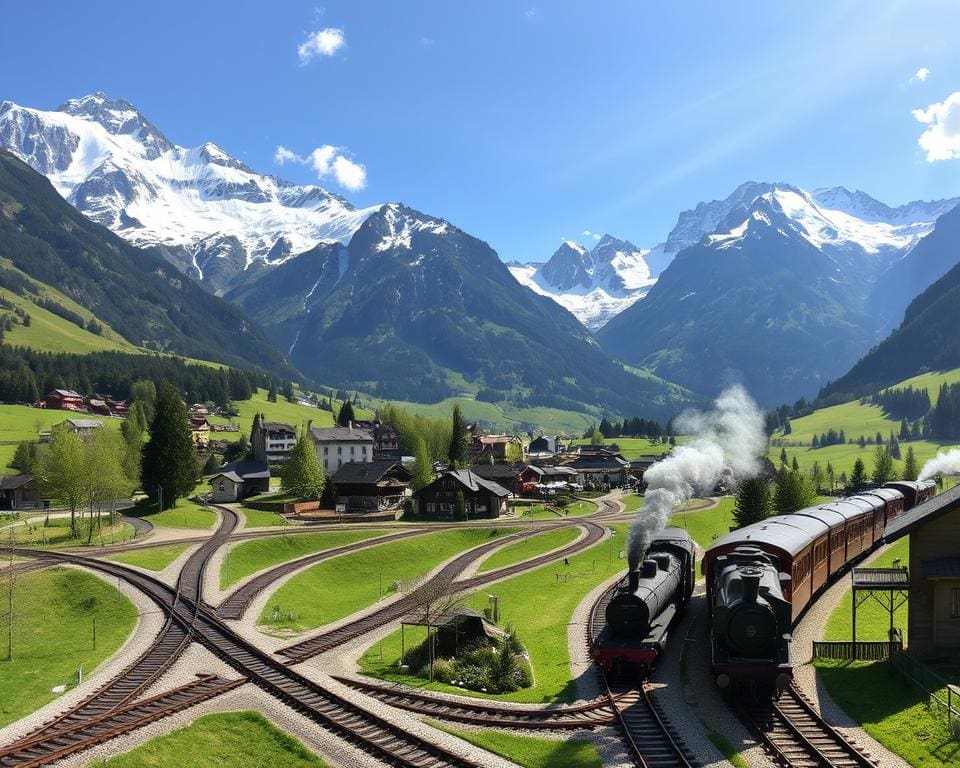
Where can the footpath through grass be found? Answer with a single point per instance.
(53, 613)
(153, 559)
(539, 605)
(529, 548)
(344, 585)
(252, 556)
(236, 739)
(531, 752)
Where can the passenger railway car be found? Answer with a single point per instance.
(762, 577)
(645, 604)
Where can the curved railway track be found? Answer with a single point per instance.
(313, 646)
(651, 740)
(797, 736)
(487, 713)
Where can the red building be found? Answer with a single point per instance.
(64, 400)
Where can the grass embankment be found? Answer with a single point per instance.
(53, 613)
(254, 518)
(548, 511)
(293, 414)
(705, 525)
(56, 534)
(187, 514)
(531, 752)
(538, 605)
(252, 556)
(237, 739)
(634, 447)
(24, 422)
(344, 585)
(528, 548)
(153, 559)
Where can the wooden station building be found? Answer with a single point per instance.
(934, 592)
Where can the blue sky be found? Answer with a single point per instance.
(526, 122)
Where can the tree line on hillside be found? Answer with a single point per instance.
(26, 375)
(628, 427)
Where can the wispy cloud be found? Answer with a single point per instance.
(426, 42)
(323, 42)
(327, 162)
(941, 139)
(530, 13)
(920, 75)
(594, 235)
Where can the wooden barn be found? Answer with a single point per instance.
(934, 598)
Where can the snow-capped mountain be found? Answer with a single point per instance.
(593, 284)
(213, 216)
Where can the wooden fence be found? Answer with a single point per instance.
(845, 650)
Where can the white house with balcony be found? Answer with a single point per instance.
(271, 441)
(337, 446)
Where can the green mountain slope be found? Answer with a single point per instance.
(134, 291)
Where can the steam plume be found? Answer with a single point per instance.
(943, 463)
(729, 438)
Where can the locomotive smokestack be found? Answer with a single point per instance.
(633, 580)
(648, 569)
(750, 578)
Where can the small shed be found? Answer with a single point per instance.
(456, 627)
(238, 480)
(19, 492)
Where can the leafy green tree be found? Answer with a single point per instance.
(133, 430)
(794, 491)
(24, 457)
(63, 472)
(883, 469)
(169, 460)
(422, 474)
(346, 413)
(210, 465)
(858, 477)
(458, 453)
(753, 503)
(144, 392)
(817, 476)
(910, 468)
(302, 474)
(459, 507)
(237, 450)
(596, 437)
(105, 450)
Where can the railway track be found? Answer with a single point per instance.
(650, 739)
(371, 733)
(795, 734)
(313, 646)
(487, 713)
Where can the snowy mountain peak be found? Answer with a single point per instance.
(213, 214)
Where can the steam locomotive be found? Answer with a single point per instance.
(645, 603)
(761, 577)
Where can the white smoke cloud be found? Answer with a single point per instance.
(730, 436)
(942, 464)
(327, 161)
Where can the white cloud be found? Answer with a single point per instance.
(530, 13)
(595, 236)
(941, 139)
(587, 232)
(921, 74)
(327, 161)
(323, 42)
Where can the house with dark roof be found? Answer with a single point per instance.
(271, 441)
(337, 446)
(238, 480)
(372, 486)
(600, 467)
(386, 440)
(534, 476)
(507, 475)
(544, 445)
(19, 492)
(933, 612)
(481, 498)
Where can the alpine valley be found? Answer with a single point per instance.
(775, 286)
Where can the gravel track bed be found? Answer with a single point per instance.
(148, 626)
(811, 628)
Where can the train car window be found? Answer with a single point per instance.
(955, 603)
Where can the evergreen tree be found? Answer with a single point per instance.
(288, 391)
(753, 503)
(458, 453)
(346, 413)
(144, 392)
(422, 474)
(861, 441)
(794, 491)
(816, 442)
(795, 465)
(272, 392)
(831, 475)
(169, 460)
(817, 476)
(459, 508)
(24, 457)
(63, 472)
(842, 479)
(904, 429)
(132, 430)
(910, 468)
(787, 429)
(858, 477)
(210, 465)
(783, 456)
(302, 474)
(883, 471)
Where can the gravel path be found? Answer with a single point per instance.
(148, 627)
(811, 628)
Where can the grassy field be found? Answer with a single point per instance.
(187, 514)
(632, 502)
(294, 414)
(154, 559)
(537, 512)
(873, 622)
(842, 457)
(339, 587)
(539, 605)
(237, 739)
(634, 447)
(252, 556)
(56, 535)
(931, 382)
(254, 518)
(53, 635)
(22, 422)
(530, 547)
(531, 752)
(705, 525)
